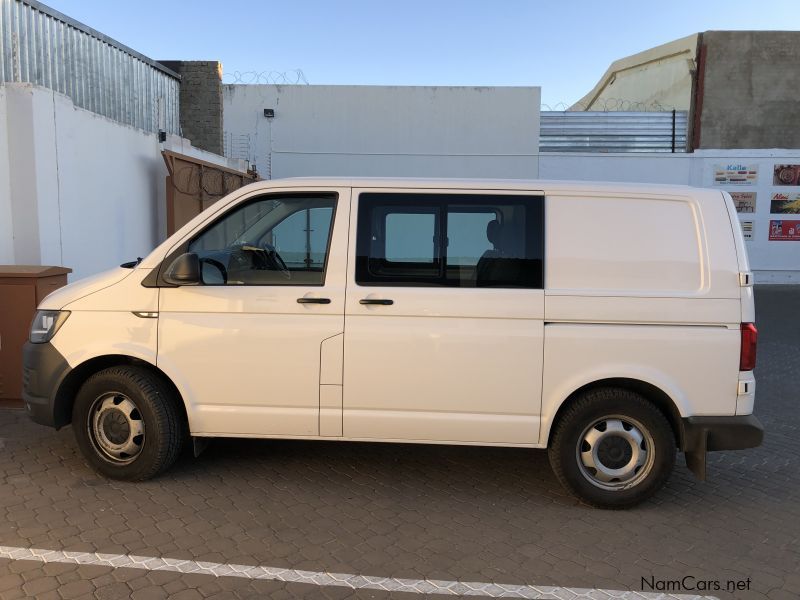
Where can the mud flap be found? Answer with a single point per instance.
(696, 457)
(199, 444)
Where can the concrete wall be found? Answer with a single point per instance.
(773, 261)
(749, 90)
(657, 79)
(384, 131)
(200, 102)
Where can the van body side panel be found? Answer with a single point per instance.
(748, 302)
(441, 364)
(640, 245)
(613, 245)
(103, 323)
(89, 334)
(638, 310)
(244, 372)
(696, 366)
(247, 359)
(331, 356)
(411, 373)
(642, 286)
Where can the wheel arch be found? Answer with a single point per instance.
(64, 398)
(652, 393)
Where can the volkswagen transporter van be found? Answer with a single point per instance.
(611, 324)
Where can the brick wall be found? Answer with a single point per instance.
(200, 102)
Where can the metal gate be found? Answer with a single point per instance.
(193, 185)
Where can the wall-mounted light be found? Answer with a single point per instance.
(269, 113)
(162, 136)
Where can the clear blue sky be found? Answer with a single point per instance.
(564, 46)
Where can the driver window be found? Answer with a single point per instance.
(269, 241)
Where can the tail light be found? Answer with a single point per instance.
(747, 356)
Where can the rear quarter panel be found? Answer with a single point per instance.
(696, 366)
(642, 286)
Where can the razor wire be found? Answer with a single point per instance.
(610, 105)
(291, 77)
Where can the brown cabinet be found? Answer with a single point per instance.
(22, 287)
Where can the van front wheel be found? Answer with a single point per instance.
(126, 423)
(612, 448)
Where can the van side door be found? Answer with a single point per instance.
(247, 346)
(444, 316)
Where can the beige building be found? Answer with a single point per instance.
(739, 87)
(657, 79)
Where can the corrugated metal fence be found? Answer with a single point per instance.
(42, 46)
(613, 131)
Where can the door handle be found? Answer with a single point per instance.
(305, 300)
(381, 301)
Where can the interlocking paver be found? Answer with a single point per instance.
(10, 581)
(38, 586)
(465, 513)
(113, 591)
(80, 588)
(151, 592)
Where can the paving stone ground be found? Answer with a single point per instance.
(409, 511)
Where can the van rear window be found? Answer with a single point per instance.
(454, 240)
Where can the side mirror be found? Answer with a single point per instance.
(184, 270)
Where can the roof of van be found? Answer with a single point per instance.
(485, 184)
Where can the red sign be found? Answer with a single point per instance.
(782, 230)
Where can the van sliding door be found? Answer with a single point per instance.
(444, 316)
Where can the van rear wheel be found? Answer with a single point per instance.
(612, 448)
(127, 424)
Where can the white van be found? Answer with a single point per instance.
(608, 323)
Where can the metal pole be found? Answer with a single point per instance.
(308, 259)
(673, 130)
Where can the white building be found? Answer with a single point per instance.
(383, 130)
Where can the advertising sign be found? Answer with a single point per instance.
(745, 202)
(747, 230)
(785, 204)
(735, 174)
(784, 231)
(786, 175)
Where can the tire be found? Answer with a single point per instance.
(612, 448)
(127, 423)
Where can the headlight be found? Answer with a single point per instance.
(45, 324)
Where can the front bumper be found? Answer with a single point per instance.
(43, 370)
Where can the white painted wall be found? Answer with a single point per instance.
(81, 190)
(634, 168)
(773, 261)
(78, 189)
(384, 130)
(111, 190)
(6, 215)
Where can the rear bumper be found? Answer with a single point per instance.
(701, 434)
